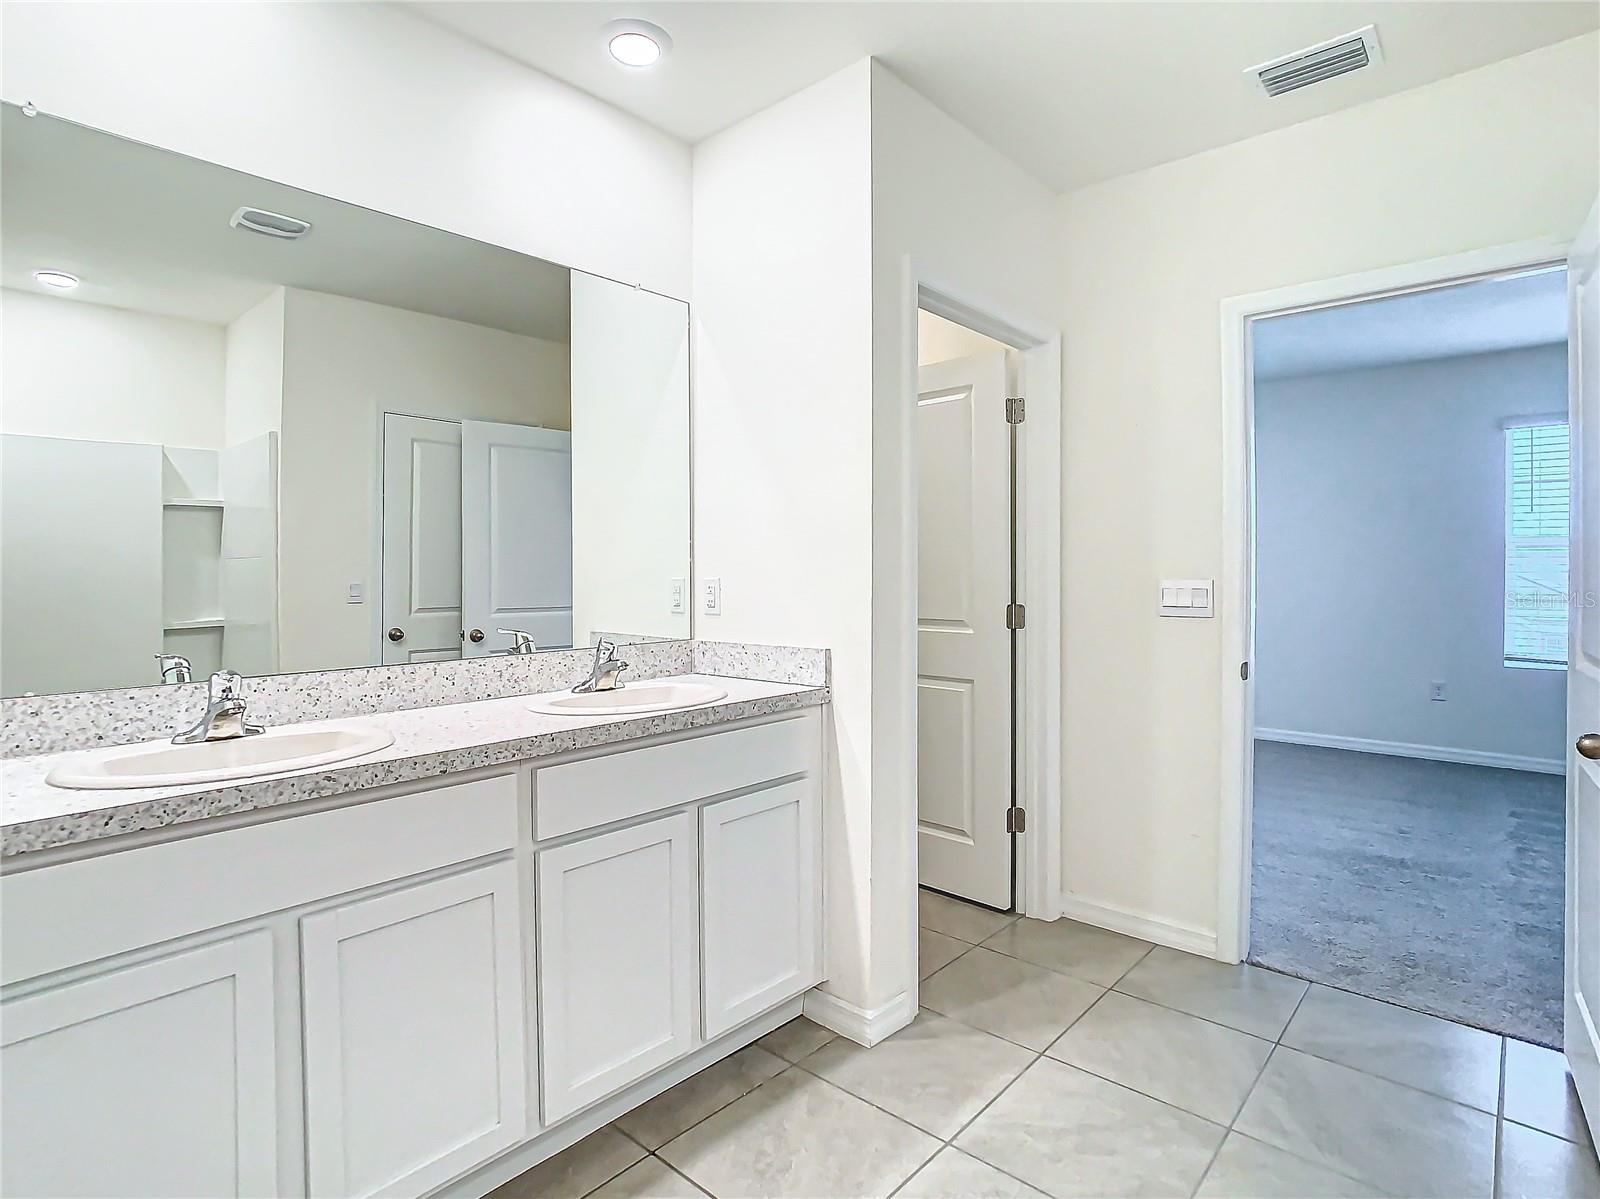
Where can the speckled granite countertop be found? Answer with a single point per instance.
(428, 742)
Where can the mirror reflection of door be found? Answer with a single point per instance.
(421, 539)
(477, 537)
(516, 535)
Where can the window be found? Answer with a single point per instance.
(1537, 462)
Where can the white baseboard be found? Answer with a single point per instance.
(1402, 749)
(1187, 937)
(858, 1024)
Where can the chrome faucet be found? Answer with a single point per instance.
(521, 641)
(175, 668)
(606, 669)
(224, 716)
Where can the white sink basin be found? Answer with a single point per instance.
(627, 700)
(163, 764)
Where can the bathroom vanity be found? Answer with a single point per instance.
(409, 973)
(396, 491)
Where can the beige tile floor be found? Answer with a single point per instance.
(1058, 1059)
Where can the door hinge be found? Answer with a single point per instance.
(1016, 820)
(1016, 410)
(1016, 616)
(1244, 671)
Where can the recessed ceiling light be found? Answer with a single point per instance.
(637, 43)
(59, 280)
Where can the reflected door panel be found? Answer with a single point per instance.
(516, 534)
(421, 539)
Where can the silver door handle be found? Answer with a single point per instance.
(1589, 746)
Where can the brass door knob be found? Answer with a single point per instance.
(397, 634)
(475, 636)
(1589, 746)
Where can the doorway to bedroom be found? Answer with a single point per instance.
(1411, 541)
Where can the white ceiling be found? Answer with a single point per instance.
(1073, 92)
(1446, 322)
(148, 230)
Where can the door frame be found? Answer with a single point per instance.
(1036, 681)
(1236, 587)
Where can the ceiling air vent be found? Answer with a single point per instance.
(1337, 56)
(273, 224)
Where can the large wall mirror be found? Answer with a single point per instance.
(263, 429)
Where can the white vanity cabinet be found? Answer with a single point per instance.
(617, 959)
(427, 988)
(414, 1018)
(759, 904)
(152, 1078)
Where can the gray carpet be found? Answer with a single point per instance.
(1428, 884)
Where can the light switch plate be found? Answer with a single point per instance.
(679, 597)
(356, 593)
(711, 597)
(1187, 597)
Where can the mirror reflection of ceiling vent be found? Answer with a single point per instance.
(1325, 60)
(273, 224)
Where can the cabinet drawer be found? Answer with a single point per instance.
(108, 905)
(596, 791)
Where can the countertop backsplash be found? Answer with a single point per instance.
(47, 724)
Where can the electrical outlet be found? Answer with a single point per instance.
(711, 597)
(1436, 693)
(679, 602)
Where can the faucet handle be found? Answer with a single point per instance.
(605, 649)
(175, 665)
(521, 640)
(225, 684)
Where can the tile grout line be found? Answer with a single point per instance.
(1038, 1055)
(1228, 1131)
(680, 1173)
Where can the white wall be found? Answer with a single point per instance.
(947, 210)
(630, 461)
(1497, 155)
(807, 219)
(96, 373)
(253, 373)
(783, 432)
(939, 340)
(370, 104)
(1380, 556)
(345, 363)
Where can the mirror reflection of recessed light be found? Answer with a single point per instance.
(59, 280)
(637, 43)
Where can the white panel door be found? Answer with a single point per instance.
(421, 539)
(154, 1079)
(1582, 1034)
(414, 1049)
(759, 886)
(618, 917)
(516, 535)
(80, 522)
(963, 646)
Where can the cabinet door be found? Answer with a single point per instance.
(152, 1079)
(617, 961)
(760, 891)
(414, 1049)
